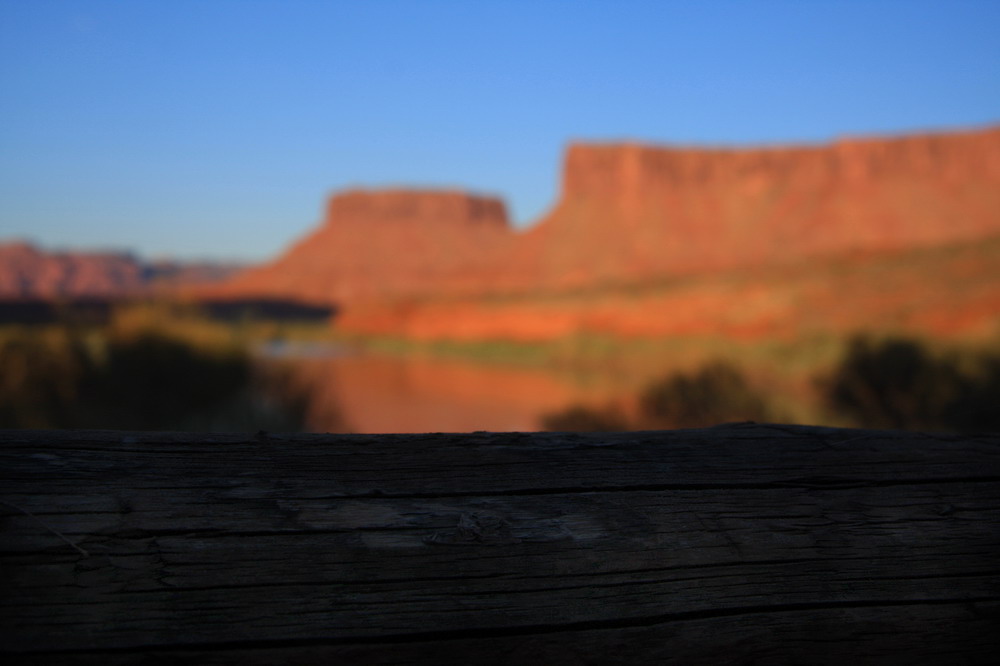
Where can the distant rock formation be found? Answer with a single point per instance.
(631, 214)
(28, 272)
(376, 245)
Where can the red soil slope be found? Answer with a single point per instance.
(948, 291)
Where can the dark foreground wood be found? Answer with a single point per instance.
(738, 544)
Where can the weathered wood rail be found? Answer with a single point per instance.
(737, 544)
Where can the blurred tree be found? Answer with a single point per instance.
(60, 377)
(897, 383)
(977, 403)
(152, 382)
(580, 418)
(40, 374)
(717, 393)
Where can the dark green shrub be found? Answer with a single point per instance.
(977, 402)
(60, 378)
(717, 393)
(40, 373)
(580, 418)
(898, 383)
(152, 382)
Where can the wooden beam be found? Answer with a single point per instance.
(741, 543)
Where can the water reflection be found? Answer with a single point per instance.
(368, 393)
(190, 377)
(887, 383)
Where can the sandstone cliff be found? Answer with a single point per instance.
(29, 272)
(628, 214)
(375, 245)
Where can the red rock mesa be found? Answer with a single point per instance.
(446, 264)
(629, 213)
(27, 272)
(375, 245)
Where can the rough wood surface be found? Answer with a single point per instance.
(738, 544)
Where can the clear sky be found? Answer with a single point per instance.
(216, 128)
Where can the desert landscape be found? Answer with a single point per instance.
(647, 241)
(657, 267)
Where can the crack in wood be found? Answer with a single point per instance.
(516, 631)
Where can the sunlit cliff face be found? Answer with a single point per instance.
(386, 244)
(628, 213)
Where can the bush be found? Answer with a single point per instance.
(977, 400)
(898, 383)
(717, 393)
(40, 373)
(152, 382)
(580, 418)
(61, 378)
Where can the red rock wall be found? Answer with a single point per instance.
(636, 215)
(375, 245)
(629, 212)
(26, 272)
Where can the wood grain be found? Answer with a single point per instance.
(744, 543)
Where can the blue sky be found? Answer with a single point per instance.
(216, 129)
